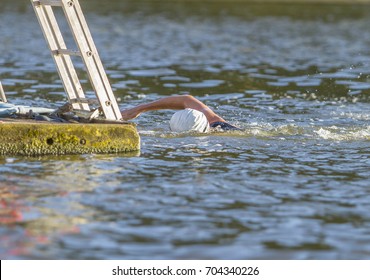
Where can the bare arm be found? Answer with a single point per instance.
(178, 102)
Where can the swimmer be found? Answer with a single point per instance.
(194, 114)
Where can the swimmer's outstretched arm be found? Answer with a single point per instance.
(178, 102)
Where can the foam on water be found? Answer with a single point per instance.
(344, 134)
(283, 132)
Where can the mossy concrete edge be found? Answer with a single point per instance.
(38, 138)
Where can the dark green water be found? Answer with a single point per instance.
(293, 185)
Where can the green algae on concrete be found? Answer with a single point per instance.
(37, 138)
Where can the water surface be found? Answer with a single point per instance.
(294, 184)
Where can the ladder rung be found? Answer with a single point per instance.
(80, 100)
(66, 52)
(48, 3)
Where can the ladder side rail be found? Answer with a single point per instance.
(91, 59)
(64, 63)
(2, 94)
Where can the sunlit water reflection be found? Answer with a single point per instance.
(292, 185)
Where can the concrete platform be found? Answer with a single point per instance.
(32, 138)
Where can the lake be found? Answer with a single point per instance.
(294, 184)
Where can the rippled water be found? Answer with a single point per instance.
(294, 184)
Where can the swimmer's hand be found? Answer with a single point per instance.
(130, 114)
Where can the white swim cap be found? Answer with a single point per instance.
(189, 120)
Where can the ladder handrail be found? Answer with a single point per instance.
(64, 64)
(2, 94)
(92, 61)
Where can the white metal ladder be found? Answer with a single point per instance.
(87, 51)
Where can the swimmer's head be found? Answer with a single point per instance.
(189, 120)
